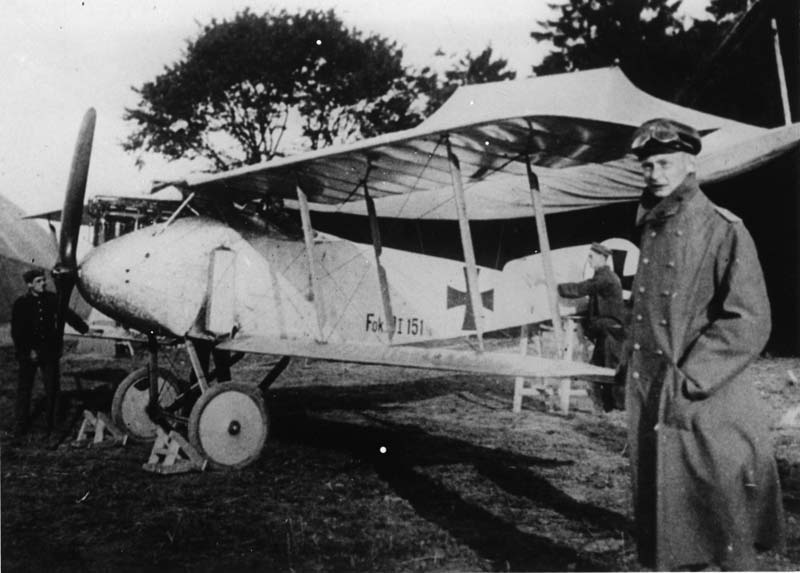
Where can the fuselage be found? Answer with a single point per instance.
(198, 276)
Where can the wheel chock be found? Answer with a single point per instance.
(173, 454)
(98, 429)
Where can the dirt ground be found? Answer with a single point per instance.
(463, 484)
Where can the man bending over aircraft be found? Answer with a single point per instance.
(705, 483)
(604, 324)
(34, 330)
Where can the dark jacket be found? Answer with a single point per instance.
(34, 325)
(604, 291)
(604, 318)
(705, 481)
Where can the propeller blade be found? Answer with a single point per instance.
(72, 212)
(65, 271)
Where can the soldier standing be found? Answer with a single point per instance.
(706, 488)
(34, 329)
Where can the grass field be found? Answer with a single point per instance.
(463, 484)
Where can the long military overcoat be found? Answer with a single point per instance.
(705, 480)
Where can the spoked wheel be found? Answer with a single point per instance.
(129, 406)
(229, 425)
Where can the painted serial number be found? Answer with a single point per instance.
(402, 325)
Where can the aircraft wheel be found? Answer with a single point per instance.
(128, 408)
(229, 425)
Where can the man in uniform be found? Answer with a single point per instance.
(34, 330)
(604, 321)
(705, 482)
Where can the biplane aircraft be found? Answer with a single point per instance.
(221, 273)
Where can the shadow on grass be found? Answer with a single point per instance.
(491, 537)
(409, 448)
(525, 483)
(322, 398)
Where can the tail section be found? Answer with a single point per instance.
(570, 265)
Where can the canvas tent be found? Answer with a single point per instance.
(581, 106)
(572, 128)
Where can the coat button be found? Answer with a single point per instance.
(639, 318)
(665, 293)
(679, 233)
(646, 261)
(653, 233)
(636, 346)
(671, 264)
(660, 352)
(635, 375)
(663, 322)
(641, 289)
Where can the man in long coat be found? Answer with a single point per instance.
(705, 482)
(604, 319)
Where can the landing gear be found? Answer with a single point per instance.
(129, 408)
(229, 425)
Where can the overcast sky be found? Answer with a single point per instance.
(60, 57)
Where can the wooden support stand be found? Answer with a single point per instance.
(534, 387)
(539, 387)
(99, 430)
(172, 454)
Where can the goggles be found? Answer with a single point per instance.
(665, 135)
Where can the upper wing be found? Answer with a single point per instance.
(573, 128)
(418, 159)
(507, 195)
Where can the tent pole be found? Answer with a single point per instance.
(388, 315)
(787, 112)
(308, 235)
(466, 243)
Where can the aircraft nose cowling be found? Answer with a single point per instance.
(155, 278)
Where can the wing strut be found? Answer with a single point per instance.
(174, 215)
(376, 243)
(308, 235)
(547, 260)
(550, 278)
(196, 365)
(466, 242)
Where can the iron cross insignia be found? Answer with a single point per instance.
(457, 297)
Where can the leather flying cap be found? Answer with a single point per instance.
(32, 274)
(665, 136)
(602, 249)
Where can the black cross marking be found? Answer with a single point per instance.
(456, 298)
